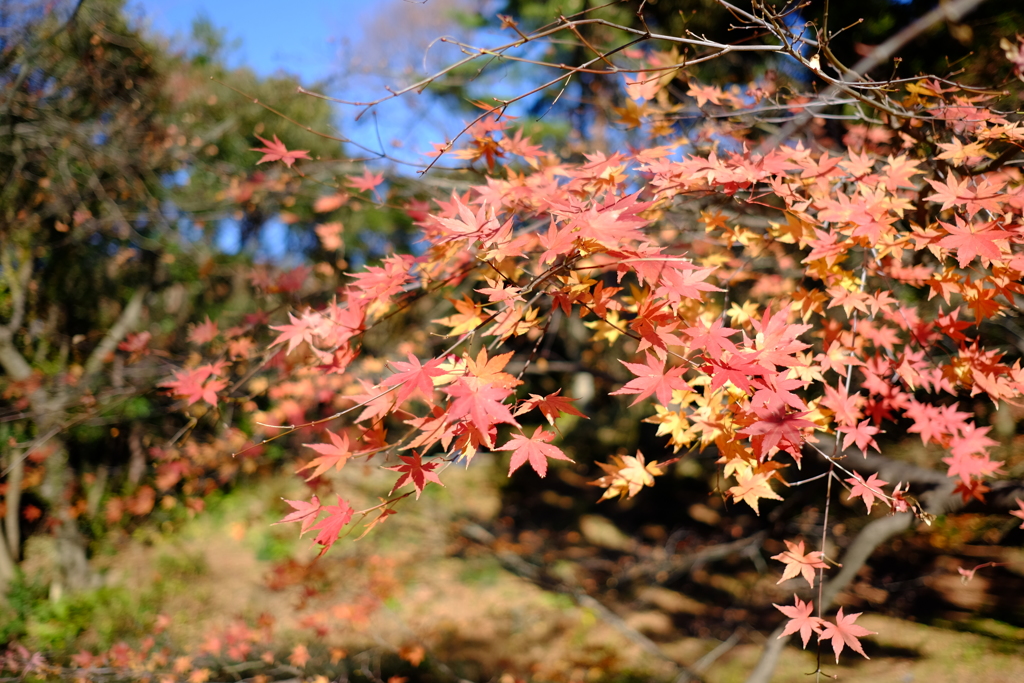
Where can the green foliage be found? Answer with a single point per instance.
(101, 617)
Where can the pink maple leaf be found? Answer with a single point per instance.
(653, 379)
(276, 151)
(844, 632)
(800, 619)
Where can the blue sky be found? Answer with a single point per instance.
(313, 39)
(300, 37)
(317, 39)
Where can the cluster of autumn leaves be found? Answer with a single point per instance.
(839, 292)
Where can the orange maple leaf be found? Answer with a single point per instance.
(334, 454)
(800, 563)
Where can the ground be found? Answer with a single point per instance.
(418, 588)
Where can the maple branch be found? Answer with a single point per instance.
(938, 500)
(677, 566)
(882, 53)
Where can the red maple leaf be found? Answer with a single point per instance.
(550, 406)
(536, 449)
(653, 379)
(867, 490)
(800, 619)
(334, 454)
(299, 330)
(303, 512)
(481, 406)
(777, 429)
(413, 376)
(330, 526)
(366, 182)
(680, 283)
(738, 369)
(414, 470)
(844, 632)
(276, 151)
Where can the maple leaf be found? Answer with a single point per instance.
(203, 332)
(867, 490)
(331, 202)
(682, 282)
(136, 344)
(413, 376)
(844, 632)
(330, 526)
(642, 86)
(713, 340)
(777, 428)
(190, 385)
(862, 436)
(479, 226)
(468, 318)
(972, 239)
(481, 405)
(414, 470)
(653, 379)
(366, 182)
(751, 487)
(626, 475)
(276, 151)
(800, 619)
(705, 93)
(299, 656)
(334, 454)
(1020, 512)
(534, 449)
(738, 369)
(486, 370)
(799, 563)
(303, 512)
(299, 330)
(550, 406)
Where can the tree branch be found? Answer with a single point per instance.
(127, 321)
(951, 11)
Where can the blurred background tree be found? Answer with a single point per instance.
(124, 167)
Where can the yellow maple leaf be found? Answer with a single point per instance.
(627, 474)
(750, 488)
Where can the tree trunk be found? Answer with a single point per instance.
(72, 546)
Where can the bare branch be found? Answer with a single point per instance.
(944, 11)
(126, 322)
